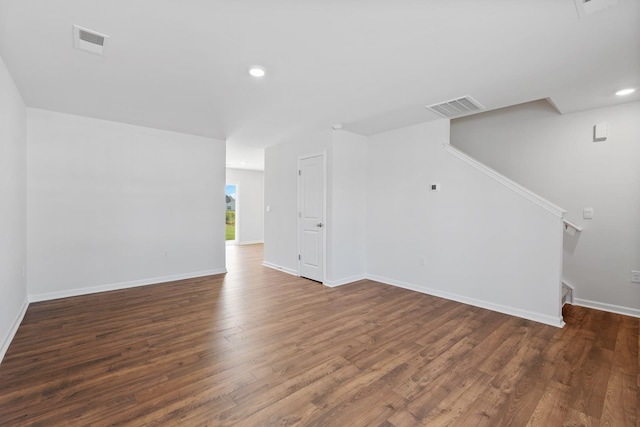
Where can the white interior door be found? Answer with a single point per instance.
(311, 216)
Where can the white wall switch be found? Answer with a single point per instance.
(268, 208)
(434, 187)
(587, 213)
(635, 276)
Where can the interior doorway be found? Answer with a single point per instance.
(231, 200)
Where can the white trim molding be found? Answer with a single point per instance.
(345, 281)
(14, 329)
(572, 291)
(280, 268)
(123, 285)
(612, 308)
(558, 322)
(512, 185)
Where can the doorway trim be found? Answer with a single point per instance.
(322, 154)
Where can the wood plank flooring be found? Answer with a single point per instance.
(257, 347)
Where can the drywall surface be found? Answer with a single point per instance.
(281, 196)
(111, 205)
(249, 205)
(347, 217)
(475, 241)
(345, 187)
(556, 156)
(13, 149)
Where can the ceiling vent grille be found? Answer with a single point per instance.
(89, 40)
(456, 107)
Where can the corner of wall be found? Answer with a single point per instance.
(6, 342)
(13, 229)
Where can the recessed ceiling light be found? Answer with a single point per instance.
(243, 163)
(624, 92)
(257, 71)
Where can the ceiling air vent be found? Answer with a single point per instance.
(89, 40)
(456, 107)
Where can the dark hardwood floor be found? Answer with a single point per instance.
(258, 347)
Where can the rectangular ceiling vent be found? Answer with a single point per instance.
(587, 7)
(89, 40)
(456, 107)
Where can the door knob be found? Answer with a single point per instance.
(319, 225)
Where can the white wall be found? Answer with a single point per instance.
(346, 156)
(280, 194)
(482, 243)
(555, 156)
(249, 204)
(13, 143)
(111, 205)
(346, 255)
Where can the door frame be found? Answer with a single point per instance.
(322, 154)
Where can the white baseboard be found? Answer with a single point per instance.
(512, 311)
(612, 308)
(346, 280)
(122, 285)
(14, 328)
(280, 268)
(251, 242)
(572, 290)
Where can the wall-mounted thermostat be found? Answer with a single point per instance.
(434, 187)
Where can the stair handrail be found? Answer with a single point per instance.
(568, 224)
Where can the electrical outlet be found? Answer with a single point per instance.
(635, 276)
(421, 261)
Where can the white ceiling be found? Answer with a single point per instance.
(371, 65)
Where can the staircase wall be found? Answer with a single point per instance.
(556, 156)
(477, 240)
